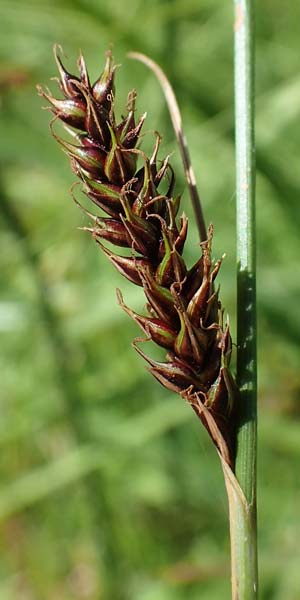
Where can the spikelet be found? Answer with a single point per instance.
(184, 313)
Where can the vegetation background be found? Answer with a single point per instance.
(110, 487)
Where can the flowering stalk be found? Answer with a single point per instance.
(184, 315)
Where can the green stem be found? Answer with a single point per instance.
(243, 515)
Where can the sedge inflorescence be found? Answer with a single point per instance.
(136, 192)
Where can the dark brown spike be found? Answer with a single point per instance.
(184, 311)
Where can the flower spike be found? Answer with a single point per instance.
(183, 313)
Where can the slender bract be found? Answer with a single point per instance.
(181, 139)
(243, 513)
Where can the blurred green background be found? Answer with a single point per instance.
(110, 488)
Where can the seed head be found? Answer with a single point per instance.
(183, 312)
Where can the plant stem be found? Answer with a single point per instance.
(243, 513)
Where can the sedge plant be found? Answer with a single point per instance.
(135, 211)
